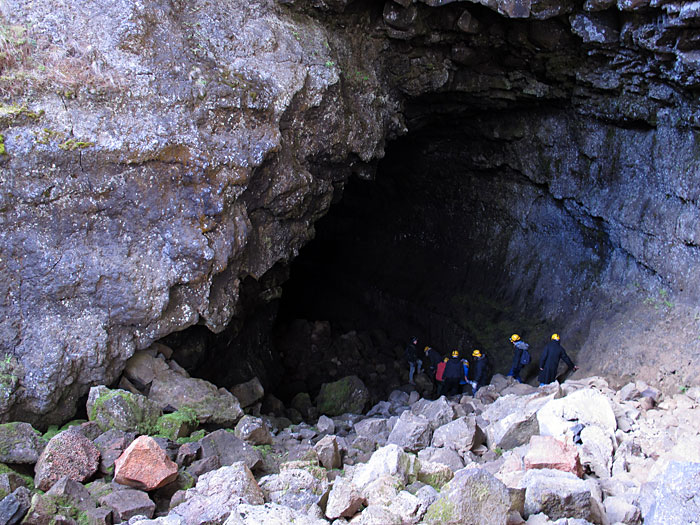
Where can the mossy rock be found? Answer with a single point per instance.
(122, 410)
(179, 424)
(348, 394)
(20, 443)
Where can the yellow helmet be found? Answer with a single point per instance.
(555, 337)
(455, 353)
(514, 338)
(476, 353)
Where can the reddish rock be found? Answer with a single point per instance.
(144, 465)
(69, 454)
(551, 453)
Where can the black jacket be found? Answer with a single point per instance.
(479, 369)
(454, 369)
(549, 361)
(434, 358)
(411, 353)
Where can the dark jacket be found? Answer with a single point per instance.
(411, 353)
(479, 369)
(454, 369)
(434, 358)
(518, 348)
(549, 361)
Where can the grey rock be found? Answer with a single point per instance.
(20, 443)
(674, 498)
(253, 430)
(249, 392)
(462, 435)
(348, 394)
(111, 444)
(142, 367)
(412, 432)
(390, 460)
(445, 456)
(370, 427)
(70, 490)
(14, 506)
(127, 503)
(438, 412)
(328, 452)
(325, 425)
(122, 410)
(229, 449)
(344, 500)
(294, 488)
(270, 514)
(620, 511)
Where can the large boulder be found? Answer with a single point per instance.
(675, 496)
(328, 452)
(249, 392)
(587, 407)
(462, 435)
(218, 493)
(253, 430)
(122, 410)
(438, 412)
(212, 405)
(473, 496)
(270, 514)
(411, 432)
(20, 443)
(348, 394)
(294, 488)
(546, 452)
(344, 500)
(390, 460)
(229, 449)
(70, 454)
(144, 465)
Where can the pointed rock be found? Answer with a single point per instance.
(144, 465)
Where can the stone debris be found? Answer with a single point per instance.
(144, 465)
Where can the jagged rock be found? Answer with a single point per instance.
(180, 423)
(212, 405)
(445, 456)
(144, 465)
(411, 432)
(328, 453)
(202, 466)
(376, 515)
(325, 425)
(142, 368)
(14, 506)
(390, 460)
(20, 443)
(438, 412)
(547, 452)
(218, 493)
(382, 490)
(249, 392)
(464, 500)
(344, 500)
(560, 495)
(122, 410)
(348, 394)
(10, 481)
(111, 445)
(187, 453)
(371, 426)
(229, 449)
(70, 454)
(270, 514)
(584, 406)
(128, 503)
(66, 489)
(674, 498)
(597, 451)
(434, 474)
(462, 435)
(253, 430)
(618, 510)
(294, 488)
(408, 507)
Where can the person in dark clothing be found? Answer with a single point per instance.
(454, 373)
(411, 356)
(518, 346)
(549, 360)
(433, 358)
(479, 370)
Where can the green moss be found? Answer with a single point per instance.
(170, 425)
(442, 511)
(72, 145)
(3, 151)
(195, 436)
(54, 429)
(28, 480)
(144, 423)
(265, 450)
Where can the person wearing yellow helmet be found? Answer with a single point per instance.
(478, 370)
(454, 373)
(521, 357)
(549, 360)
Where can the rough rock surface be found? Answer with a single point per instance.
(67, 454)
(144, 465)
(20, 443)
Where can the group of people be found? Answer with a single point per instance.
(455, 374)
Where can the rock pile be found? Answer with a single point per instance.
(575, 453)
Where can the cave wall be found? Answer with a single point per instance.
(156, 155)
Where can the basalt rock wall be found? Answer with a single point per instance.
(156, 155)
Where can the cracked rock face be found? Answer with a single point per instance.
(158, 154)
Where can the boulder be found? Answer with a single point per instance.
(249, 392)
(348, 394)
(371, 427)
(461, 435)
(444, 456)
(20, 443)
(229, 449)
(218, 493)
(390, 460)
(302, 403)
(675, 495)
(294, 488)
(597, 451)
(434, 474)
(69, 490)
(560, 495)
(408, 507)
(270, 514)
(344, 500)
(411, 432)
(618, 510)
(142, 367)
(376, 515)
(128, 503)
(547, 452)
(122, 410)
(212, 405)
(382, 491)
(587, 407)
(70, 454)
(180, 423)
(15, 506)
(144, 465)
(253, 430)
(328, 453)
(325, 425)
(473, 496)
(438, 412)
